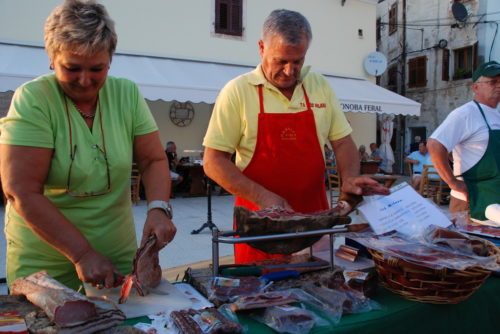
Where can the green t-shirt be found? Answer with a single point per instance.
(38, 117)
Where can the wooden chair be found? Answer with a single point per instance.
(333, 184)
(432, 186)
(135, 184)
(410, 169)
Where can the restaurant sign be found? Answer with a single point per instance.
(361, 107)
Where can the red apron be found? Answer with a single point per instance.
(287, 161)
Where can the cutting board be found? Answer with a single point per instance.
(164, 297)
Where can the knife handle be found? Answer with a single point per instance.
(280, 275)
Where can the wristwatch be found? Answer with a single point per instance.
(165, 206)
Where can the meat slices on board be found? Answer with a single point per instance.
(146, 271)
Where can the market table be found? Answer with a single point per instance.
(478, 314)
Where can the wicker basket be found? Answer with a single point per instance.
(419, 283)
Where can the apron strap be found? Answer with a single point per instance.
(307, 98)
(261, 100)
(482, 113)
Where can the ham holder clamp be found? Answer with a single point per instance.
(279, 231)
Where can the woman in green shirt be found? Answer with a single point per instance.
(67, 146)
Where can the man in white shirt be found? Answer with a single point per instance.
(472, 132)
(418, 159)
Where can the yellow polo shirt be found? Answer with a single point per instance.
(233, 125)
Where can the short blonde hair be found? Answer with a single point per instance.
(83, 27)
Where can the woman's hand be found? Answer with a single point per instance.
(159, 224)
(97, 270)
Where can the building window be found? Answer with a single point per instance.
(228, 17)
(445, 73)
(392, 78)
(393, 18)
(417, 72)
(464, 63)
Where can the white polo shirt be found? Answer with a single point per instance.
(465, 133)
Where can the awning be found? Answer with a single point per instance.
(193, 80)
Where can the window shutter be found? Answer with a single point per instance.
(228, 17)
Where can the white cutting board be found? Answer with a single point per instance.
(164, 297)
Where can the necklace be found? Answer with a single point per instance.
(84, 114)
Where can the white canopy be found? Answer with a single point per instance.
(192, 80)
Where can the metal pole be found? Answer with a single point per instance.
(215, 251)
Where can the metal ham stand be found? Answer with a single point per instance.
(209, 223)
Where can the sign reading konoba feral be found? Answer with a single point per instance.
(359, 107)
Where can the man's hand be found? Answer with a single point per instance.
(459, 185)
(268, 199)
(362, 185)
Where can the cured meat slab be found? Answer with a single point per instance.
(278, 221)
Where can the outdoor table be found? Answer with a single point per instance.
(477, 314)
(196, 175)
(369, 166)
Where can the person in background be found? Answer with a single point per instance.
(173, 162)
(363, 155)
(375, 155)
(329, 156)
(277, 118)
(414, 146)
(418, 159)
(472, 133)
(66, 148)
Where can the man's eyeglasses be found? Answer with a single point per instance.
(491, 82)
(102, 155)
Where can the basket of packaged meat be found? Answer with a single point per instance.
(441, 266)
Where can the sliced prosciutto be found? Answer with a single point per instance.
(146, 271)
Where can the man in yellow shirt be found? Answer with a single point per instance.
(277, 119)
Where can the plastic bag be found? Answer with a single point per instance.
(327, 301)
(262, 300)
(289, 319)
(225, 290)
(204, 321)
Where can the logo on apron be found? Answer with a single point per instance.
(288, 134)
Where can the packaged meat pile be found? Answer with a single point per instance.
(277, 220)
(226, 290)
(436, 248)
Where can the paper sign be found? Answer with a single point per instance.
(404, 210)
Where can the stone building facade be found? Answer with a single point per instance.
(432, 47)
